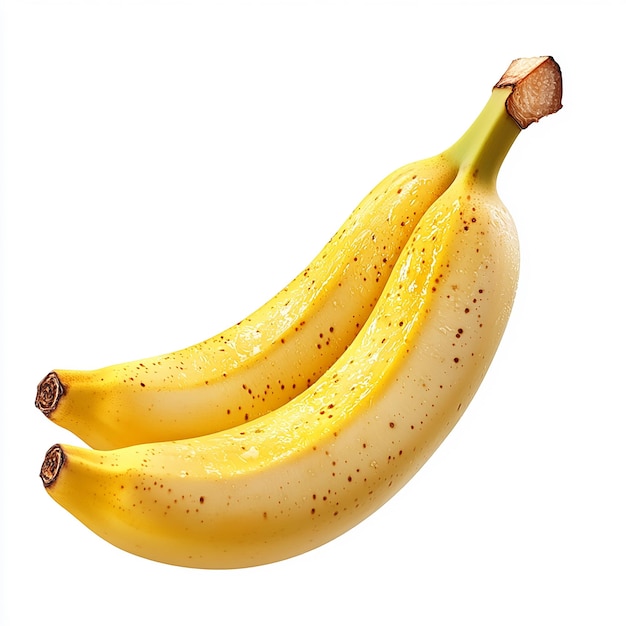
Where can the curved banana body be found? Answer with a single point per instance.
(269, 357)
(315, 467)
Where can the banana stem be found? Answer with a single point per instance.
(529, 90)
(481, 151)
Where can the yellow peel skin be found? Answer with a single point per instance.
(315, 467)
(269, 357)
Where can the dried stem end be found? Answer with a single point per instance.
(536, 89)
(49, 392)
(52, 464)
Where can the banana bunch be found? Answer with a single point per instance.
(407, 326)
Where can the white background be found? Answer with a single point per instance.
(168, 166)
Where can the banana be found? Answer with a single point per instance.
(274, 354)
(268, 358)
(315, 467)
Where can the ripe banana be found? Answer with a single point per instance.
(318, 465)
(272, 355)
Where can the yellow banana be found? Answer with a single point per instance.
(269, 357)
(275, 353)
(315, 467)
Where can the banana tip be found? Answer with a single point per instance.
(52, 464)
(49, 393)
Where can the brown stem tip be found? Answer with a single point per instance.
(536, 89)
(49, 392)
(52, 464)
